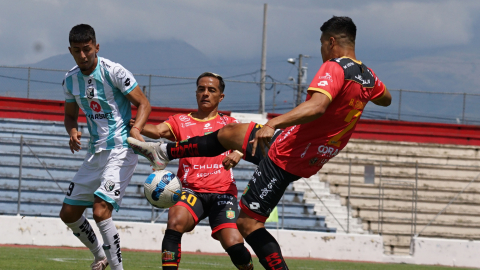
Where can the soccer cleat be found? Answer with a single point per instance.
(100, 265)
(150, 151)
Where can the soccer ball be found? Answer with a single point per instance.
(162, 189)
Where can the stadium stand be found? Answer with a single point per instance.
(387, 206)
(443, 158)
(42, 196)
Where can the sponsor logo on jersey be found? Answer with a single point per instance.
(230, 214)
(116, 242)
(254, 205)
(224, 203)
(207, 166)
(184, 118)
(109, 185)
(322, 83)
(327, 76)
(105, 64)
(89, 81)
(207, 126)
(347, 65)
(88, 230)
(327, 151)
(305, 152)
(168, 255)
(206, 133)
(100, 116)
(95, 106)
(360, 78)
(268, 189)
(127, 82)
(190, 124)
(90, 92)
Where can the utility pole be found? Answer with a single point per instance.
(299, 81)
(263, 69)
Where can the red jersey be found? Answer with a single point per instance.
(202, 174)
(304, 149)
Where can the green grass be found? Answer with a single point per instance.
(26, 258)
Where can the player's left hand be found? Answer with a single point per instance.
(262, 138)
(232, 160)
(132, 122)
(135, 133)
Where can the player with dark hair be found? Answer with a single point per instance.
(104, 90)
(315, 131)
(209, 190)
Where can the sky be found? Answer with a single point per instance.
(31, 30)
(429, 45)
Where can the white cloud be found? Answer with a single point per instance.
(230, 29)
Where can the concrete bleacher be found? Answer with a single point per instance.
(41, 196)
(443, 171)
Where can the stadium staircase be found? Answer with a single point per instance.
(41, 195)
(389, 208)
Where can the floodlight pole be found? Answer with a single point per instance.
(263, 69)
(299, 81)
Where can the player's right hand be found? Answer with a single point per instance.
(74, 143)
(262, 138)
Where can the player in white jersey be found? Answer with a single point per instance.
(103, 90)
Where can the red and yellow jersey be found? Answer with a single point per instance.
(303, 149)
(202, 174)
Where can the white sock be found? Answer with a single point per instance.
(163, 151)
(83, 231)
(111, 243)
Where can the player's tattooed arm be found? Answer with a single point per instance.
(156, 131)
(137, 98)
(71, 125)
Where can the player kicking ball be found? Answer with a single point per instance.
(209, 190)
(104, 91)
(315, 131)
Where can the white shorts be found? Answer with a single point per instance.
(105, 174)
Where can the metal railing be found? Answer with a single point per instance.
(408, 180)
(242, 96)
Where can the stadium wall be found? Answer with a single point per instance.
(53, 110)
(301, 244)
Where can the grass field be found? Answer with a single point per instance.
(28, 258)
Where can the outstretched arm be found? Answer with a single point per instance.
(303, 113)
(161, 130)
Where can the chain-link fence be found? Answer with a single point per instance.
(243, 96)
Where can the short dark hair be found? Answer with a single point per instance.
(211, 74)
(342, 26)
(82, 33)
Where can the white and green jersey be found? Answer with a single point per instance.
(101, 96)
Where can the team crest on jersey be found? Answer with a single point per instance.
(119, 72)
(230, 214)
(168, 255)
(90, 92)
(109, 185)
